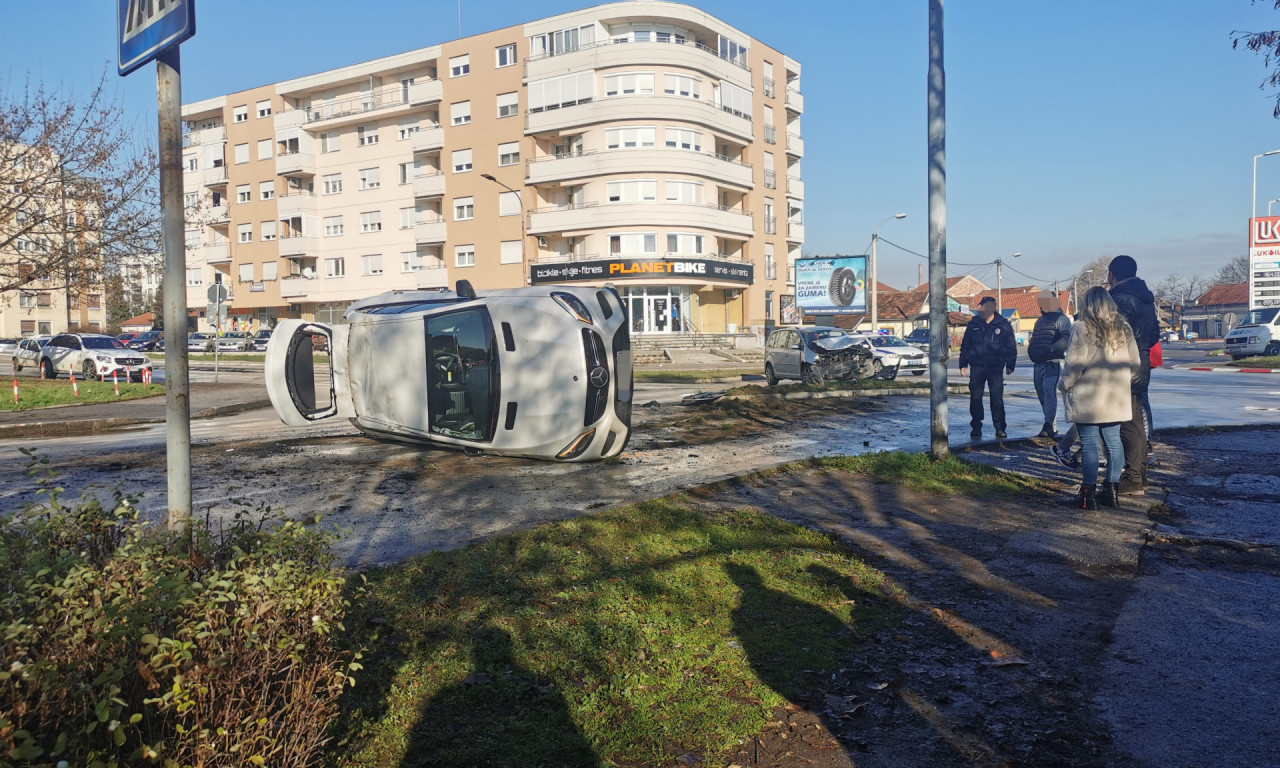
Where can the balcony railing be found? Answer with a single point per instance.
(795, 144)
(672, 41)
(771, 225)
(372, 101)
(217, 133)
(770, 134)
(769, 88)
(770, 180)
(216, 177)
(295, 163)
(770, 270)
(794, 100)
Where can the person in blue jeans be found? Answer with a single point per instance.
(1046, 349)
(1101, 362)
(990, 349)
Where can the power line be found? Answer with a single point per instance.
(908, 250)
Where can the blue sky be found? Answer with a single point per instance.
(1074, 129)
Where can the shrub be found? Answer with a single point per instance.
(122, 644)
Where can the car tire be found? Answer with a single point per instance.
(89, 370)
(917, 373)
(1272, 350)
(877, 368)
(17, 366)
(843, 288)
(47, 370)
(769, 375)
(811, 375)
(1238, 357)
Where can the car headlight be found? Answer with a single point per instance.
(573, 305)
(579, 445)
(104, 359)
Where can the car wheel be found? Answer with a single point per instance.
(811, 375)
(46, 369)
(769, 375)
(1273, 350)
(89, 371)
(17, 366)
(1238, 357)
(917, 373)
(843, 287)
(877, 367)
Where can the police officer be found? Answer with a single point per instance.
(990, 349)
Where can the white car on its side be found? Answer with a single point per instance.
(541, 372)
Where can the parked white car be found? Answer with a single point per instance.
(27, 353)
(540, 372)
(92, 355)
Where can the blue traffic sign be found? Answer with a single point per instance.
(147, 27)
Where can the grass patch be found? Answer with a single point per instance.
(693, 377)
(628, 638)
(859, 385)
(42, 393)
(1261, 361)
(949, 477)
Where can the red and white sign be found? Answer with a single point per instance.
(1263, 231)
(1264, 262)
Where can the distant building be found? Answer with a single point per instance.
(1216, 311)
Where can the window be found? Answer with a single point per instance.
(734, 99)
(563, 91)
(367, 135)
(406, 173)
(563, 41)
(408, 217)
(511, 252)
(505, 55)
(733, 51)
(266, 189)
(246, 273)
(631, 83)
(189, 200)
(28, 301)
(508, 104)
(770, 268)
(264, 149)
(460, 112)
(464, 209)
(464, 255)
(191, 162)
(329, 142)
(244, 193)
(406, 128)
(679, 138)
(636, 191)
(410, 261)
(637, 243)
(270, 270)
(768, 305)
(459, 65)
(629, 138)
(332, 226)
(461, 160)
(370, 178)
(405, 82)
(509, 153)
(371, 221)
(681, 85)
(264, 108)
(242, 153)
(245, 232)
(332, 183)
(44, 300)
(195, 276)
(240, 113)
(686, 245)
(268, 230)
(335, 267)
(508, 204)
(372, 264)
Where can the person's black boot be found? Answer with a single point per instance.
(1046, 431)
(1109, 495)
(1087, 499)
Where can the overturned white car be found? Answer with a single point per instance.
(536, 372)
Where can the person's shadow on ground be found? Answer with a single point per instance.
(501, 715)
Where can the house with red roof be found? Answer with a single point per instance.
(1216, 311)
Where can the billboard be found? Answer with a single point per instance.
(787, 309)
(1264, 262)
(832, 286)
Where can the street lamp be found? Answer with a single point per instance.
(1253, 201)
(1269, 203)
(524, 266)
(875, 238)
(999, 284)
(1075, 289)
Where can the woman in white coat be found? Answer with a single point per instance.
(1102, 358)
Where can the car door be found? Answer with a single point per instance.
(790, 355)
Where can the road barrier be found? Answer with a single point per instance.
(15, 391)
(75, 388)
(115, 383)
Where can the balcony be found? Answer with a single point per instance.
(293, 287)
(297, 246)
(219, 215)
(216, 177)
(795, 187)
(214, 135)
(290, 118)
(429, 232)
(770, 133)
(296, 202)
(426, 92)
(795, 101)
(589, 216)
(608, 54)
(431, 277)
(388, 102)
(770, 180)
(428, 184)
(795, 145)
(296, 164)
(559, 168)
(647, 107)
(795, 232)
(771, 225)
(428, 139)
(217, 254)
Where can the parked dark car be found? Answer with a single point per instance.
(125, 337)
(918, 338)
(146, 341)
(260, 340)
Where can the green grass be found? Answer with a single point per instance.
(42, 393)
(628, 638)
(860, 385)
(949, 477)
(693, 377)
(1256, 362)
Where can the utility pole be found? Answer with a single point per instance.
(939, 339)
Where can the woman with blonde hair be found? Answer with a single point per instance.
(1102, 359)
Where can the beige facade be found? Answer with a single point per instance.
(644, 143)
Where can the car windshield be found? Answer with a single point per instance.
(263, 335)
(462, 374)
(1260, 316)
(888, 341)
(92, 342)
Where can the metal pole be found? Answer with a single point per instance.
(176, 385)
(875, 313)
(939, 339)
(999, 286)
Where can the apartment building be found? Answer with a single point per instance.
(643, 143)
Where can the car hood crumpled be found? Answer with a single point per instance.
(834, 343)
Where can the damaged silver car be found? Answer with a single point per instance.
(817, 354)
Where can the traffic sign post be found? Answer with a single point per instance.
(147, 30)
(217, 315)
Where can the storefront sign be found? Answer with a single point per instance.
(1264, 262)
(832, 286)
(640, 269)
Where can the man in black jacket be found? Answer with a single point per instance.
(1138, 305)
(989, 347)
(1047, 349)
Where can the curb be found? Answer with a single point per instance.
(918, 391)
(1231, 370)
(96, 426)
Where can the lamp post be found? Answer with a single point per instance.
(1269, 204)
(875, 238)
(1075, 290)
(524, 265)
(999, 284)
(1253, 201)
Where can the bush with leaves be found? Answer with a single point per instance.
(121, 644)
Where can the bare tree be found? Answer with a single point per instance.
(1234, 271)
(1267, 44)
(78, 189)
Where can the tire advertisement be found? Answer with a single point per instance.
(832, 286)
